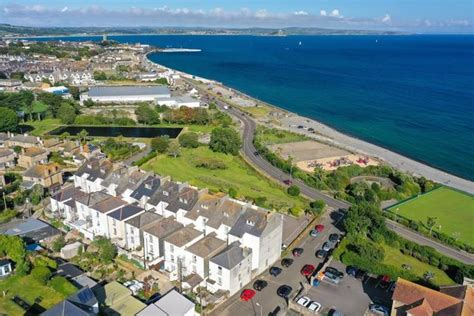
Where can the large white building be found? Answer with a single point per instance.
(126, 94)
(179, 101)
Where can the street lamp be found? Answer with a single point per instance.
(261, 308)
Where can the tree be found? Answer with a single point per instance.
(107, 250)
(41, 274)
(88, 103)
(8, 120)
(189, 140)
(431, 222)
(74, 91)
(82, 135)
(146, 115)
(225, 140)
(160, 144)
(58, 243)
(66, 113)
(293, 190)
(64, 135)
(100, 75)
(173, 149)
(316, 207)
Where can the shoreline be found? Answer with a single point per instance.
(330, 135)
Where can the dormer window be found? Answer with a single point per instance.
(166, 193)
(250, 222)
(102, 170)
(205, 206)
(225, 214)
(89, 166)
(183, 200)
(148, 186)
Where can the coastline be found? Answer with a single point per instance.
(332, 136)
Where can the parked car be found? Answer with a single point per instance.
(284, 291)
(319, 228)
(153, 298)
(327, 246)
(352, 271)
(275, 271)
(361, 274)
(275, 312)
(288, 182)
(333, 312)
(260, 285)
(297, 252)
(321, 254)
(286, 262)
(313, 233)
(335, 272)
(332, 277)
(334, 238)
(307, 270)
(314, 307)
(379, 309)
(247, 295)
(303, 301)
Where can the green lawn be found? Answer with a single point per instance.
(395, 258)
(43, 126)
(453, 209)
(238, 175)
(277, 136)
(29, 289)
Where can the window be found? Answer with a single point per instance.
(219, 270)
(219, 281)
(132, 240)
(171, 248)
(194, 259)
(172, 258)
(150, 238)
(194, 269)
(240, 277)
(114, 223)
(115, 231)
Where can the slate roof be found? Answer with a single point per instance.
(69, 192)
(174, 303)
(126, 212)
(27, 139)
(146, 188)
(231, 256)
(68, 270)
(207, 246)
(33, 151)
(42, 171)
(205, 206)
(227, 213)
(5, 152)
(183, 236)
(108, 204)
(80, 303)
(102, 91)
(162, 227)
(171, 188)
(251, 221)
(30, 228)
(95, 168)
(93, 198)
(143, 219)
(185, 200)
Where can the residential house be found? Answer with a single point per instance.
(172, 303)
(91, 174)
(145, 190)
(7, 158)
(204, 208)
(197, 255)
(231, 269)
(261, 231)
(31, 156)
(413, 299)
(185, 200)
(166, 193)
(134, 229)
(5, 268)
(23, 141)
(100, 211)
(116, 299)
(48, 175)
(59, 202)
(3, 139)
(30, 229)
(116, 222)
(153, 238)
(175, 245)
(82, 219)
(81, 303)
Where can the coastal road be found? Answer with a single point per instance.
(262, 164)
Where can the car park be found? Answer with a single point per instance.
(297, 252)
(286, 262)
(307, 270)
(260, 285)
(322, 254)
(284, 291)
(303, 301)
(379, 309)
(314, 307)
(247, 295)
(319, 228)
(275, 271)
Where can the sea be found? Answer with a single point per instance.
(412, 94)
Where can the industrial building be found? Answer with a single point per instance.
(126, 94)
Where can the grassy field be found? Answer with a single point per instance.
(237, 174)
(28, 289)
(454, 211)
(276, 136)
(395, 258)
(43, 126)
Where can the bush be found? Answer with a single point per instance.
(62, 285)
(58, 243)
(293, 190)
(210, 163)
(107, 250)
(189, 140)
(225, 140)
(43, 261)
(41, 274)
(160, 144)
(145, 159)
(295, 211)
(232, 193)
(317, 207)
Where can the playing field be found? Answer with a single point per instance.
(454, 211)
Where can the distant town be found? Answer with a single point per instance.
(129, 188)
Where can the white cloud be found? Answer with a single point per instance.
(387, 18)
(323, 13)
(261, 14)
(335, 13)
(300, 13)
(64, 9)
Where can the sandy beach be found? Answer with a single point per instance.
(290, 121)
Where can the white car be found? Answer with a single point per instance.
(314, 307)
(303, 301)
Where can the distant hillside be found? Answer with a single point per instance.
(12, 30)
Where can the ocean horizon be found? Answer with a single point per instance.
(411, 94)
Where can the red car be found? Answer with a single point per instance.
(319, 228)
(247, 295)
(307, 270)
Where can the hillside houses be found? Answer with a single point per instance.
(204, 238)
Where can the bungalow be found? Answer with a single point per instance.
(31, 229)
(231, 269)
(175, 245)
(153, 238)
(90, 175)
(116, 222)
(134, 226)
(5, 268)
(32, 156)
(46, 175)
(7, 158)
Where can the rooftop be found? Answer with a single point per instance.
(102, 91)
(27, 139)
(162, 227)
(252, 221)
(146, 188)
(109, 204)
(231, 256)
(95, 168)
(118, 298)
(207, 246)
(143, 219)
(125, 212)
(42, 171)
(33, 151)
(5, 152)
(69, 192)
(183, 236)
(93, 198)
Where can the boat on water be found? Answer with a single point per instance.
(180, 50)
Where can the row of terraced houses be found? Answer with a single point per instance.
(204, 239)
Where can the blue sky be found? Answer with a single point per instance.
(428, 16)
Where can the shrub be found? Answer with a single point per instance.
(232, 193)
(43, 261)
(293, 190)
(41, 274)
(58, 243)
(62, 285)
(225, 140)
(189, 140)
(210, 163)
(160, 144)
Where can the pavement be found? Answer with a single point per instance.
(351, 296)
